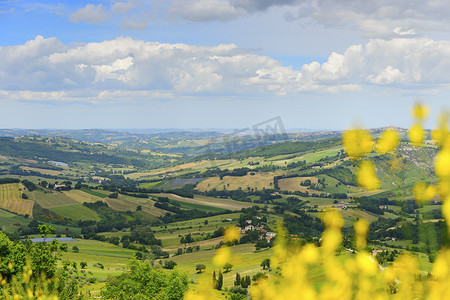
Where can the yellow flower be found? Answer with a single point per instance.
(223, 256)
(332, 218)
(361, 229)
(424, 193)
(388, 141)
(442, 163)
(310, 253)
(446, 211)
(420, 111)
(367, 177)
(331, 239)
(416, 135)
(231, 234)
(366, 263)
(357, 142)
(443, 188)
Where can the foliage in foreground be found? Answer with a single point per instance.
(143, 282)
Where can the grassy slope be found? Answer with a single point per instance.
(11, 199)
(208, 201)
(76, 212)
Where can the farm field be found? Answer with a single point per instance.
(50, 199)
(258, 181)
(113, 258)
(208, 201)
(11, 199)
(293, 184)
(245, 261)
(76, 212)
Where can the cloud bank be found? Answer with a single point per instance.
(125, 68)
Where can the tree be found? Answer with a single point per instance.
(246, 281)
(220, 281)
(237, 281)
(169, 264)
(45, 229)
(63, 247)
(139, 208)
(265, 263)
(142, 281)
(75, 249)
(214, 280)
(227, 267)
(200, 268)
(258, 276)
(83, 264)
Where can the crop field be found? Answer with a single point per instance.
(187, 205)
(50, 199)
(76, 212)
(120, 204)
(293, 184)
(96, 193)
(150, 185)
(245, 261)
(208, 201)
(81, 196)
(133, 202)
(11, 199)
(50, 172)
(333, 185)
(258, 181)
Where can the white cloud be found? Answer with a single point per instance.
(377, 18)
(125, 68)
(204, 10)
(90, 13)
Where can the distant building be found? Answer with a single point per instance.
(270, 235)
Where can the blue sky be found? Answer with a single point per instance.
(221, 63)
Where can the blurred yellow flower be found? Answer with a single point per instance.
(366, 263)
(231, 234)
(388, 141)
(443, 188)
(446, 211)
(223, 256)
(361, 229)
(366, 176)
(424, 193)
(357, 142)
(420, 111)
(442, 163)
(310, 253)
(416, 135)
(332, 218)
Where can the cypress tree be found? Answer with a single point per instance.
(214, 280)
(220, 281)
(237, 282)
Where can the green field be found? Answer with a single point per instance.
(208, 201)
(51, 199)
(76, 212)
(245, 261)
(198, 206)
(95, 193)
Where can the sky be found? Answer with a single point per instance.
(316, 64)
